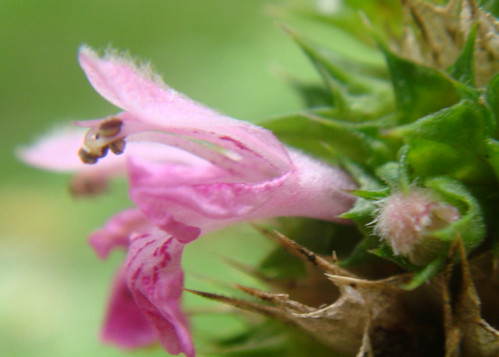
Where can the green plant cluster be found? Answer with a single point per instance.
(397, 124)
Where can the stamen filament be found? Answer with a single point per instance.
(227, 153)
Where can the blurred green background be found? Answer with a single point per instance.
(228, 54)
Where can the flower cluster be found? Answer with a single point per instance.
(191, 170)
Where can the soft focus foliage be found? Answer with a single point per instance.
(404, 120)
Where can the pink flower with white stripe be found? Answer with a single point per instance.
(191, 170)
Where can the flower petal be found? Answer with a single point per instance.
(125, 324)
(203, 199)
(117, 231)
(57, 151)
(155, 279)
(150, 101)
(314, 189)
(201, 190)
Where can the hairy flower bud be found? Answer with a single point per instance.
(407, 220)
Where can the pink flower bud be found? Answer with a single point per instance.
(407, 220)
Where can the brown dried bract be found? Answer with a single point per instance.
(436, 35)
(363, 319)
(467, 333)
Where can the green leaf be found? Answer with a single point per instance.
(462, 125)
(491, 6)
(362, 175)
(361, 254)
(428, 272)
(270, 339)
(452, 141)
(385, 251)
(363, 211)
(313, 95)
(463, 68)
(385, 16)
(493, 97)
(419, 90)
(359, 91)
(470, 226)
(493, 155)
(307, 132)
(421, 275)
(429, 158)
(318, 236)
(352, 73)
(395, 174)
(310, 132)
(495, 241)
(280, 264)
(389, 173)
(371, 195)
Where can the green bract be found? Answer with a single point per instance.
(419, 119)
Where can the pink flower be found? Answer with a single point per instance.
(191, 170)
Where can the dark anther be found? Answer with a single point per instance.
(91, 158)
(110, 127)
(117, 147)
(103, 151)
(86, 157)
